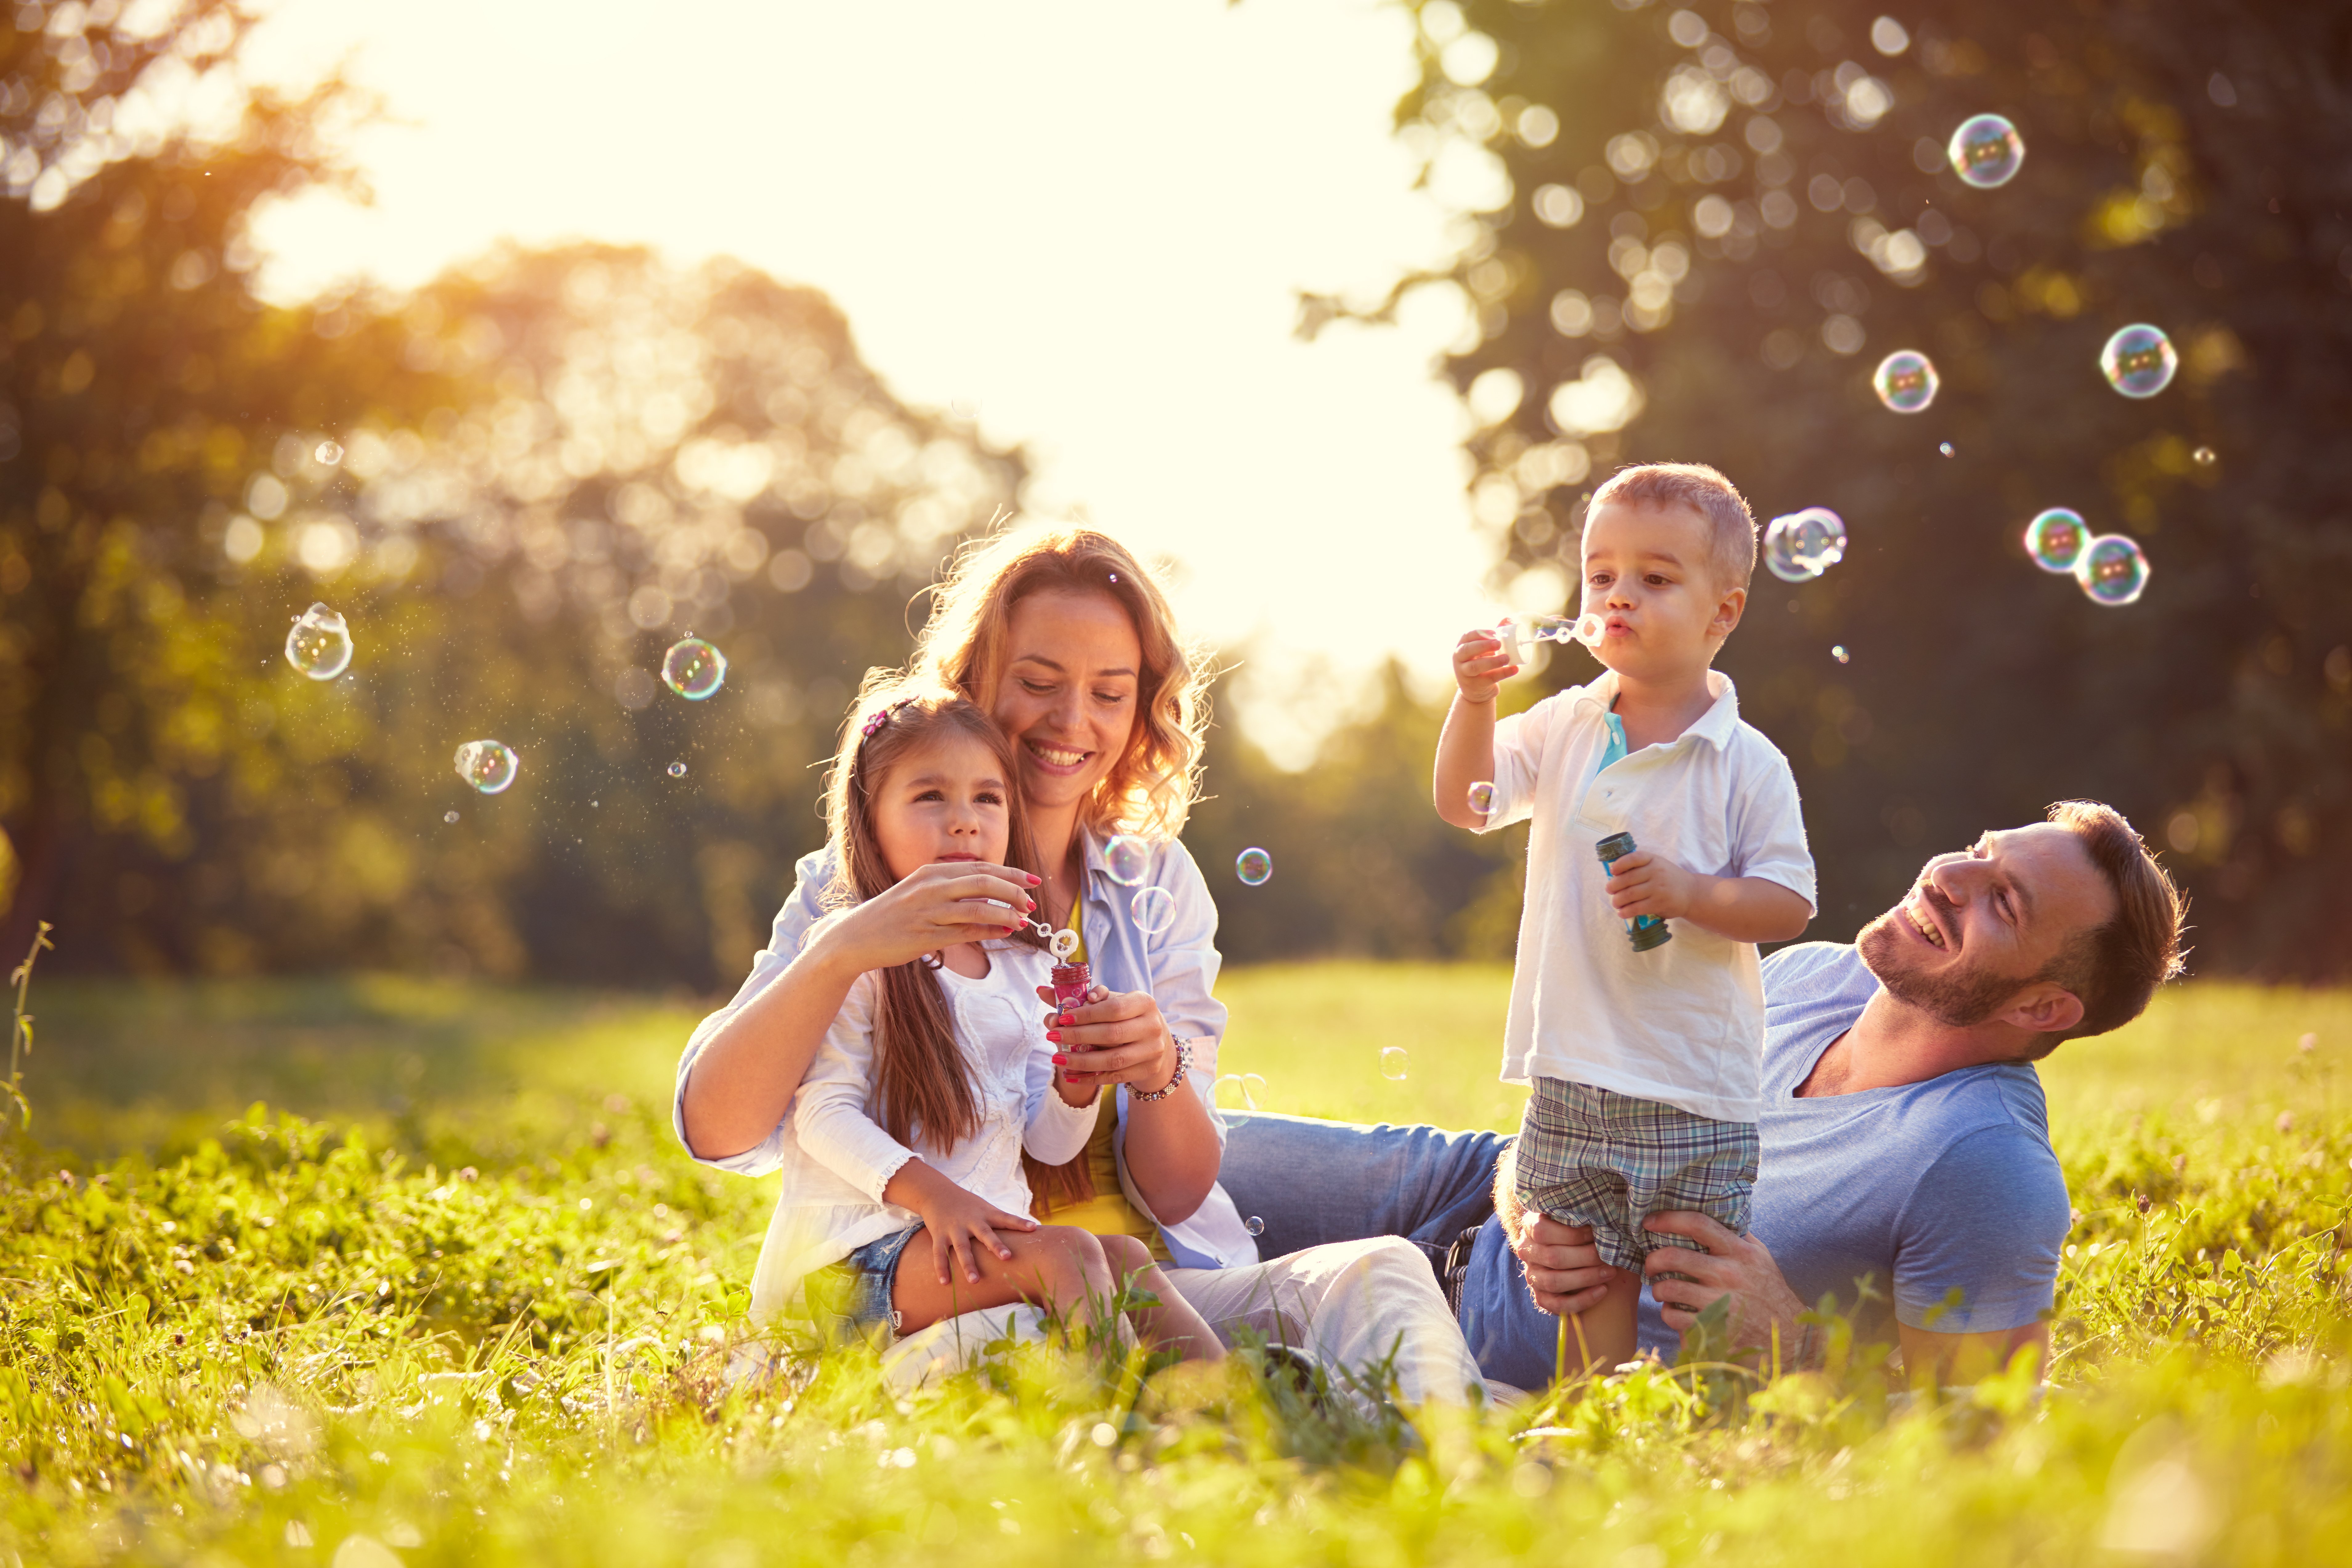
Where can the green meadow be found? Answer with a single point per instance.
(373, 1271)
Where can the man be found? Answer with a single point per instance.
(1904, 1137)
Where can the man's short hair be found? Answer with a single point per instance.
(1731, 527)
(2114, 968)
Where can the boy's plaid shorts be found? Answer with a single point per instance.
(1592, 1156)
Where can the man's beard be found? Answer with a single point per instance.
(1958, 1000)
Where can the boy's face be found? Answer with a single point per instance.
(1650, 574)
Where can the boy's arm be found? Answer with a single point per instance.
(1465, 749)
(1741, 908)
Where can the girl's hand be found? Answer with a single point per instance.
(939, 905)
(957, 1221)
(1646, 884)
(1120, 1039)
(1480, 666)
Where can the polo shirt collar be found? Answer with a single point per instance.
(1715, 726)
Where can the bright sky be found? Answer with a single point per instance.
(1085, 221)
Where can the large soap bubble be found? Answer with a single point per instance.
(2112, 570)
(1254, 867)
(1985, 150)
(693, 668)
(1905, 381)
(319, 645)
(1154, 909)
(2138, 361)
(2055, 539)
(1128, 859)
(489, 766)
(1803, 545)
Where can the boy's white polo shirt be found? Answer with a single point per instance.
(1682, 1024)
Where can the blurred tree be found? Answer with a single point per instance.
(1691, 234)
(518, 485)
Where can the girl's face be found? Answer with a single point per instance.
(1068, 696)
(946, 801)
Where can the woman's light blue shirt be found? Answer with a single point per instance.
(1178, 966)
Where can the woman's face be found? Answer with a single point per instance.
(1067, 694)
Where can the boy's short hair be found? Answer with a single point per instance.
(1731, 525)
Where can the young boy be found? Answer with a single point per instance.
(1645, 1064)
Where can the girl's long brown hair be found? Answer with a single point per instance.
(920, 1078)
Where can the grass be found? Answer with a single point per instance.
(459, 1300)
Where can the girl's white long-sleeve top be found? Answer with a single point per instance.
(838, 1159)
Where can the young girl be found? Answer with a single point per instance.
(936, 1074)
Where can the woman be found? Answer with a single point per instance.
(1066, 640)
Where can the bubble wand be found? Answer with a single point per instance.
(1586, 628)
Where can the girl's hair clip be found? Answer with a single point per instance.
(881, 717)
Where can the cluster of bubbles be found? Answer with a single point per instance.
(1393, 1063)
(1837, 652)
(693, 668)
(2111, 567)
(1803, 545)
(488, 767)
(1905, 381)
(1254, 867)
(320, 645)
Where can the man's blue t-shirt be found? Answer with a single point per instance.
(1926, 1189)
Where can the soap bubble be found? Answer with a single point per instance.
(1254, 867)
(1985, 150)
(1837, 652)
(2205, 457)
(329, 453)
(677, 770)
(1154, 909)
(2112, 571)
(1242, 1096)
(2055, 539)
(1482, 798)
(1803, 545)
(319, 645)
(449, 816)
(1128, 859)
(1255, 1226)
(2138, 361)
(693, 668)
(1905, 381)
(489, 765)
(1393, 1063)
(1945, 448)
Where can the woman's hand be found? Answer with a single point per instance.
(936, 906)
(1120, 1039)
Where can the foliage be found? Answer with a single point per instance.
(518, 484)
(1689, 234)
(492, 1327)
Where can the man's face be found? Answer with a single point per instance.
(1978, 927)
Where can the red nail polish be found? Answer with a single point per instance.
(1055, 1036)
(1060, 1060)
(1034, 878)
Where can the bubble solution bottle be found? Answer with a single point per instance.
(1072, 984)
(1645, 931)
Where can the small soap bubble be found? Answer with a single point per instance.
(1986, 151)
(329, 453)
(1255, 1226)
(1803, 545)
(1945, 448)
(677, 770)
(1393, 1063)
(1128, 859)
(2138, 361)
(1837, 652)
(489, 766)
(1154, 909)
(1234, 1091)
(1905, 381)
(2113, 570)
(693, 668)
(1254, 867)
(449, 816)
(2205, 457)
(319, 645)
(1482, 798)
(2054, 538)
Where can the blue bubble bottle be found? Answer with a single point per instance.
(1645, 931)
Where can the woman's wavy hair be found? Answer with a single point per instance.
(920, 1078)
(1152, 787)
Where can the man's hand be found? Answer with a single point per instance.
(1646, 884)
(1563, 1269)
(1480, 667)
(1734, 1266)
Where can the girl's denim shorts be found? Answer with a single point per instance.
(851, 1298)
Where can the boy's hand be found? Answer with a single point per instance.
(1480, 666)
(1646, 884)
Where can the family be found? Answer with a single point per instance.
(1854, 1121)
